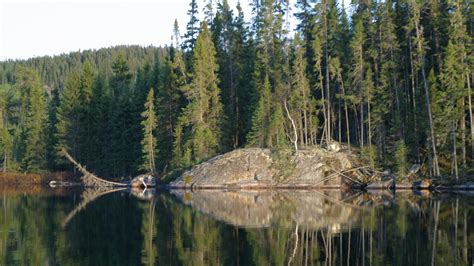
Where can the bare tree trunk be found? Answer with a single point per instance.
(325, 113)
(413, 92)
(463, 136)
(471, 118)
(305, 118)
(295, 141)
(347, 113)
(339, 121)
(362, 124)
(357, 124)
(369, 133)
(328, 95)
(430, 116)
(5, 162)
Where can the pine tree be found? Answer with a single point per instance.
(198, 133)
(149, 123)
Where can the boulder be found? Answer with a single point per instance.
(146, 180)
(263, 168)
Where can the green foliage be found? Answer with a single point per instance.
(369, 155)
(400, 157)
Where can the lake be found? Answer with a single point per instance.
(46, 226)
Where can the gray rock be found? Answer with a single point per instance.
(143, 181)
(259, 168)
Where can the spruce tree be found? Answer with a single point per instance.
(69, 116)
(300, 98)
(198, 133)
(6, 142)
(34, 120)
(192, 28)
(170, 100)
(419, 63)
(357, 77)
(120, 121)
(86, 88)
(149, 123)
(259, 133)
(100, 134)
(6, 145)
(271, 64)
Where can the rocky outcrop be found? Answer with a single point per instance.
(262, 168)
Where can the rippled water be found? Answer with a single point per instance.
(41, 226)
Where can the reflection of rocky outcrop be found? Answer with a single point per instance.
(308, 208)
(251, 168)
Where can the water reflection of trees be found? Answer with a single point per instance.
(118, 229)
(401, 230)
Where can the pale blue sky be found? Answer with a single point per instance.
(31, 28)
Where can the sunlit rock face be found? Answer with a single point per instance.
(259, 168)
(256, 209)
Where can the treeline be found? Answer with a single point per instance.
(391, 79)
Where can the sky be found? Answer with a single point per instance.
(30, 28)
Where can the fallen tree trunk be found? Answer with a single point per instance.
(88, 178)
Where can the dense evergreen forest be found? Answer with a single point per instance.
(391, 79)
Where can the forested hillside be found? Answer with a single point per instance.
(390, 79)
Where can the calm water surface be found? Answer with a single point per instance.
(41, 226)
